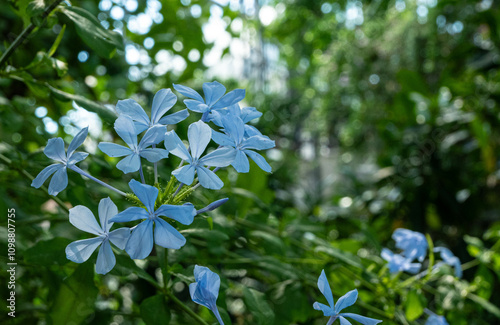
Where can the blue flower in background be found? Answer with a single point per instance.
(246, 114)
(399, 263)
(450, 259)
(206, 289)
(413, 244)
(55, 150)
(214, 98)
(82, 218)
(163, 101)
(199, 135)
(140, 243)
(435, 319)
(333, 310)
(234, 137)
(124, 126)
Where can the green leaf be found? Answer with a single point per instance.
(210, 223)
(35, 8)
(154, 310)
(414, 306)
(125, 265)
(75, 300)
(485, 304)
(48, 252)
(260, 309)
(102, 41)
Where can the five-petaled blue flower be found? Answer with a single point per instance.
(399, 263)
(435, 319)
(413, 244)
(334, 310)
(55, 150)
(163, 101)
(206, 289)
(214, 98)
(450, 259)
(140, 243)
(124, 126)
(199, 135)
(234, 137)
(82, 218)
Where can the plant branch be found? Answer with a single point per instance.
(185, 308)
(27, 31)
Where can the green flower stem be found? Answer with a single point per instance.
(9, 163)
(26, 32)
(142, 174)
(185, 308)
(431, 257)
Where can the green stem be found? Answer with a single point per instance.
(9, 163)
(24, 34)
(185, 308)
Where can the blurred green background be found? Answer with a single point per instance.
(385, 114)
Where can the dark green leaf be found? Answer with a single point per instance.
(48, 252)
(258, 306)
(154, 310)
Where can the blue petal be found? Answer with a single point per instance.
(55, 150)
(154, 135)
(258, 142)
(174, 118)
(130, 214)
(181, 213)
(114, 150)
(129, 164)
(79, 251)
(221, 157)
(82, 218)
(125, 128)
(344, 321)
(154, 155)
(346, 300)
(188, 92)
(213, 91)
(167, 236)
(77, 141)
(185, 174)
(361, 319)
(196, 106)
(105, 259)
(107, 210)
(259, 160)
(249, 113)
(458, 268)
(206, 289)
(58, 182)
(222, 139)
(162, 103)
(147, 194)
(230, 98)
(199, 135)
(324, 288)
(251, 130)
(241, 163)
(132, 109)
(208, 179)
(119, 237)
(175, 146)
(77, 157)
(387, 254)
(140, 243)
(327, 311)
(44, 174)
(195, 295)
(234, 127)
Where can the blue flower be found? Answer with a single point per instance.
(206, 289)
(413, 244)
(140, 243)
(55, 150)
(234, 137)
(199, 135)
(333, 310)
(246, 114)
(399, 263)
(450, 259)
(435, 319)
(124, 126)
(214, 98)
(163, 101)
(82, 218)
